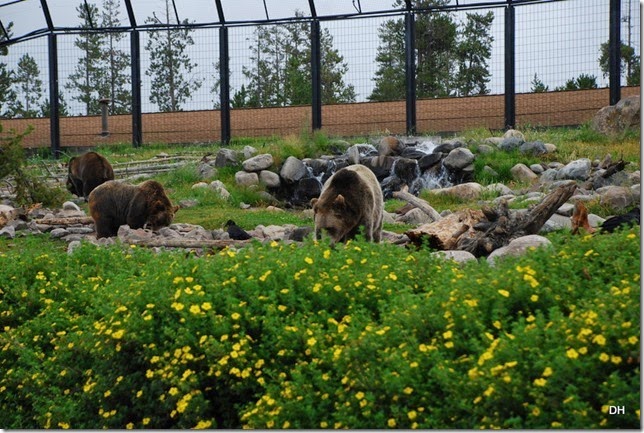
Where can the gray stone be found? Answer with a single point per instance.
(576, 170)
(270, 179)
(245, 178)
(8, 232)
(510, 143)
(258, 163)
(58, 233)
(219, 187)
(70, 205)
(522, 173)
(293, 170)
(455, 255)
(458, 159)
(519, 246)
(415, 217)
(616, 197)
(465, 191)
(249, 152)
(615, 119)
(513, 133)
(533, 148)
(199, 185)
(225, 157)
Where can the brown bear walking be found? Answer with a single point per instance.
(114, 204)
(351, 199)
(86, 172)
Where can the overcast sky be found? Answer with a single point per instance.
(556, 41)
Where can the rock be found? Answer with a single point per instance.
(429, 160)
(522, 173)
(258, 163)
(245, 178)
(615, 119)
(199, 185)
(519, 246)
(249, 152)
(219, 187)
(616, 197)
(225, 157)
(126, 235)
(458, 159)
(293, 170)
(490, 171)
(71, 206)
(188, 203)
(533, 148)
(485, 149)
(270, 179)
(537, 168)
(58, 233)
(306, 189)
(566, 209)
(8, 232)
(575, 170)
(499, 188)
(464, 191)
(390, 145)
(510, 143)
(456, 255)
(415, 217)
(206, 171)
(513, 133)
(73, 246)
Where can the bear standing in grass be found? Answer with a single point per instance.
(351, 199)
(114, 204)
(86, 172)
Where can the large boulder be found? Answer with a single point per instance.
(615, 119)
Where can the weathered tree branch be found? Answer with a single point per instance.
(419, 203)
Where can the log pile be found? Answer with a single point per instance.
(481, 232)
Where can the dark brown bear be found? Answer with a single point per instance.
(114, 204)
(351, 200)
(86, 172)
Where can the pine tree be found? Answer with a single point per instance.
(116, 84)
(279, 73)
(89, 72)
(436, 44)
(630, 63)
(473, 52)
(28, 88)
(170, 66)
(537, 85)
(7, 93)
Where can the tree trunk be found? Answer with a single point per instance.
(419, 203)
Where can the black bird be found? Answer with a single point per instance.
(631, 218)
(235, 232)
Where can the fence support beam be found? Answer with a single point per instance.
(54, 110)
(224, 85)
(614, 50)
(510, 90)
(137, 117)
(410, 73)
(316, 76)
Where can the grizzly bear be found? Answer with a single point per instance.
(351, 199)
(86, 172)
(114, 204)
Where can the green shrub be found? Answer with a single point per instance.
(306, 336)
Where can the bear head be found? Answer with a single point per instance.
(335, 217)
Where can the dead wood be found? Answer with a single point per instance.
(481, 232)
(614, 168)
(188, 243)
(579, 219)
(419, 203)
(69, 221)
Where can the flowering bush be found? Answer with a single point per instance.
(305, 336)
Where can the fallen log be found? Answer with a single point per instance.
(69, 221)
(188, 243)
(419, 203)
(481, 232)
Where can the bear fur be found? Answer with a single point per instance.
(86, 172)
(114, 204)
(351, 199)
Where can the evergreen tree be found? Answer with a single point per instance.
(7, 93)
(280, 70)
(583, 81)
(451, 59)
(473, 52)
(537, 85)
(630, 63)
(89, 73)
(116, 84)
(170, 66)
(28, 88)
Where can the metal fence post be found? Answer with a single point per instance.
(410, 72)
(614, 51)
(316, 78)
(224, 85)
(137, 118)
(510, 89)
(54, 111)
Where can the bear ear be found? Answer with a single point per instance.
(175, 209)
(339, 201)
(313, 201)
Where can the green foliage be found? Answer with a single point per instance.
(305, 336)
(27, 188)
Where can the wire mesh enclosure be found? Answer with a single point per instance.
(88, 72)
